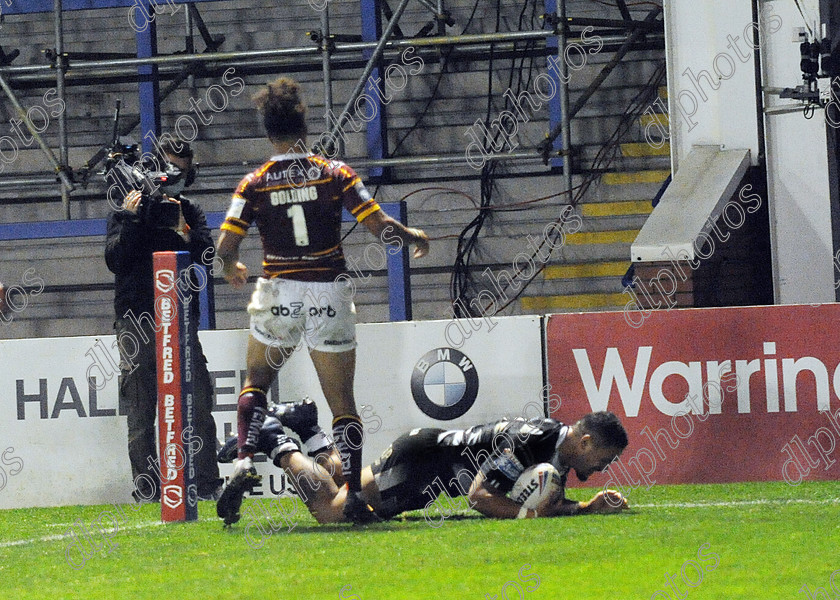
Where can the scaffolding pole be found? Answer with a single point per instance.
(378, 50)
(326, 67)
(276, 58)
(62, 118)
(60, 172)
(310, 52)
(565, 117)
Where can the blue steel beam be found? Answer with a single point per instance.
(555, 114)
(38, 6)
(371, 32)
(399, 278)
(149, 85)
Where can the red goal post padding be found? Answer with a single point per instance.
(175, 338)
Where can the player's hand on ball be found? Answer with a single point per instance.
(550, 505)
(238, 277)
(607, 501)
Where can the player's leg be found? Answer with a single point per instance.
(335, 372)
(314, 483)
(324, 499)
(275, 332)
(263, 362)
(272, 340)
(336, 375)
(331, 337)
(302, 418)
(251, 409)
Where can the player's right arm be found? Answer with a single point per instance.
(605, 502)
(234, 230)
(234, 272)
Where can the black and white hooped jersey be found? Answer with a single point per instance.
(504, 449)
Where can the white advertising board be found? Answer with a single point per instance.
(68, 440)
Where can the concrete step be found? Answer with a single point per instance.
(637, 149)
(652, 176)
(662, 119)
(609, 209)
(623, 236)
(574, 302)
(586, 270)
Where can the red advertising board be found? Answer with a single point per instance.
(706, 395)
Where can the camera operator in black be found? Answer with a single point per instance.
(131, 242)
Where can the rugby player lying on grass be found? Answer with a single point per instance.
(482, 462)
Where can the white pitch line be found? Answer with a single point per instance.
(736, 503)
(53, 538)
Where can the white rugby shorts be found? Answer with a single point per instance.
(322, 314)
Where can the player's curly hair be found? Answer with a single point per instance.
(283, 109)
(605, 428)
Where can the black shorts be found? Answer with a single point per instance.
(407, 468)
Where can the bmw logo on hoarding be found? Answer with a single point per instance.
(444, 383)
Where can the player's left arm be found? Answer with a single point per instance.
(389, 230)
(492, 503)
(359, 202)
(604, 502)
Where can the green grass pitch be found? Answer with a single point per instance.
(768, 539)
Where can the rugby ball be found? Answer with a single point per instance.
(535, 484)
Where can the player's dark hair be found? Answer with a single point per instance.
(283, 109)
(605, 428)
(176, 146)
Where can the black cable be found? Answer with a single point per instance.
(433, 96)
(461, 280)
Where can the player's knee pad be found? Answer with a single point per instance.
(270, 433)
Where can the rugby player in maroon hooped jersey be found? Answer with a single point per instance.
(296, 201)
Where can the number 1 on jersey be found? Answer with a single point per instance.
(296, 214)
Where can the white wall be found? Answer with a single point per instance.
(797, 165)
(697, 38)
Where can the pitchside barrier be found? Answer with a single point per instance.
(59, 398)
(176, 333)
(762, 381)
(707, 395)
